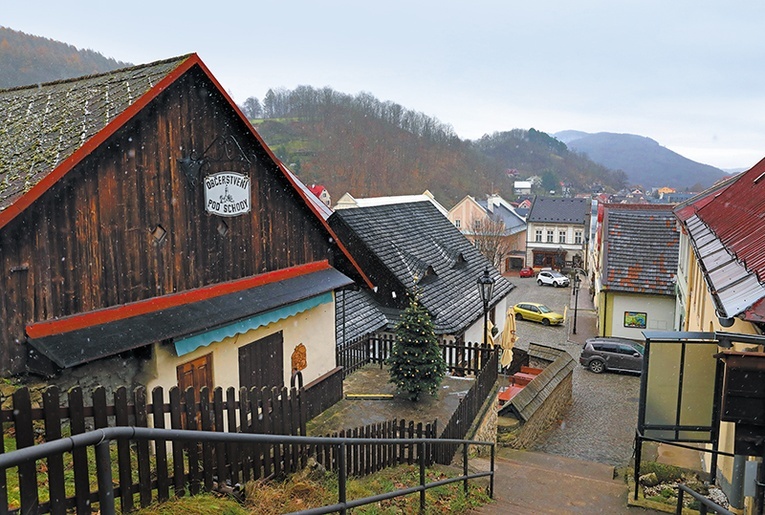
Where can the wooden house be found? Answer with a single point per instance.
(143, 218)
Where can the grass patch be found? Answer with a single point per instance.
(304, 490)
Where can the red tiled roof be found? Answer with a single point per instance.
(316, 189)
(735, 215)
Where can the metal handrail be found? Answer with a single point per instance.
(101, 439)
(705, 503)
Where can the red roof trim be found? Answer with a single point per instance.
(143, 307)
(93, 143)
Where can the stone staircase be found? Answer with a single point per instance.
(536, 483)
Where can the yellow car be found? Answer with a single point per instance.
(537, 313)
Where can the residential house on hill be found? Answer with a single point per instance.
(149, 236)
(494, 227)
(321, 193)
(557, 232)
(721, 283)
(635, 278)
(349, 201)
(407, 247)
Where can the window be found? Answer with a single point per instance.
(538, 235)
(476, 225)
(578, 237)
(561, 236)
(550, 236)
(457, 223)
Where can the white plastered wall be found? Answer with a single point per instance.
(314, 328)
(660, 311)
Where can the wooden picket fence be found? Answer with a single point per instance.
(145, 475)
(363, 459)
(461, 358)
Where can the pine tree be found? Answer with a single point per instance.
(416, 364)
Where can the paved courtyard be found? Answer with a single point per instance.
(600, 425)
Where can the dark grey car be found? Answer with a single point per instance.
(611, 353)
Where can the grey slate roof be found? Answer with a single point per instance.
(42, 125)
(641, 246)
(513, 222)
(357, 314)
(559, 210)
(417, 245)
(533, 396)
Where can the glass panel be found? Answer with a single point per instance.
(695, 436)
(662, 384)
(661, 435)
(698, 384)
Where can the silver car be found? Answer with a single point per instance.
(611, 353)
(551, 277)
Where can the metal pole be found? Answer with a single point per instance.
(485, 325)
(465, 467)
(104, 474)
(491, 479)
(576, 302)
(341, 493)
(421, 446)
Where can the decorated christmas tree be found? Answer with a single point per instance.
(416, 364)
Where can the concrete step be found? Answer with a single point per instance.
(528, 482)
(560, 464)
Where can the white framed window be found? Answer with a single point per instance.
(578, 237)
(561, 236)
(550, 236)
(538, 236)
(457, 223)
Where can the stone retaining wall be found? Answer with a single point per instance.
(512, 433)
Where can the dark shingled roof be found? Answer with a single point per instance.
(420, 247)
(357, 315)
(559, 210)
(42, 125)
(640, 249)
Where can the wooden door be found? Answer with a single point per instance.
(195, 373)
(261, 363)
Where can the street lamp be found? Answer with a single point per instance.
(577, 282)
(486, 288)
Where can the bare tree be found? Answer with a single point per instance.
(490, 239)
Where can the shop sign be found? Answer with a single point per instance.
(227, 194)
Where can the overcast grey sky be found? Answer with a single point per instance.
(688, 74)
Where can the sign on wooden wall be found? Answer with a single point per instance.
(227, 194)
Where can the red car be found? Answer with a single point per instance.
(526, 271)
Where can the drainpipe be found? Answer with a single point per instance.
(736, 495)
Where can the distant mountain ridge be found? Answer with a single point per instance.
(645, 161)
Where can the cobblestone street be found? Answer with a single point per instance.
(600, 425)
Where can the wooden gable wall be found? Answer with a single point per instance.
(87, 243)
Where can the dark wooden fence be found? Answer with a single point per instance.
(462, 358)
(362, 460)
(145, 475)
(469, 407)
(323, 392)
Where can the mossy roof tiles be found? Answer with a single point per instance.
(44, 124)
(641, 249)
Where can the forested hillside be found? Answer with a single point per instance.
(367, 147)
(26, 59)
(354, 143)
